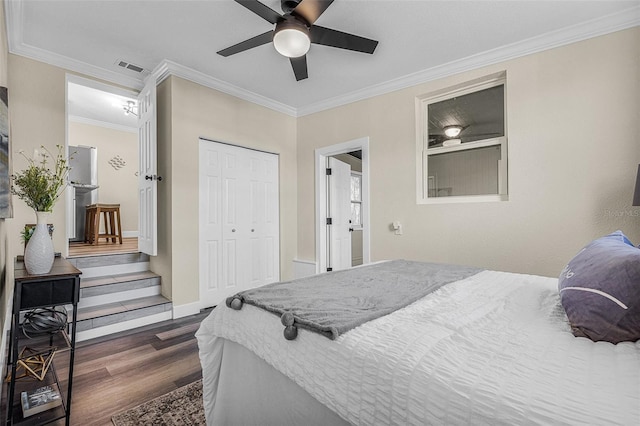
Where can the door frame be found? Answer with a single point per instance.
(104, 87)
(321, 155)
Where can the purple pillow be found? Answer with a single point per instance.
(600, 290)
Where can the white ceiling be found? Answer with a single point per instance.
(419, 40)
(90, 105)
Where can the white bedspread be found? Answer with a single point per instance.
(492, 349)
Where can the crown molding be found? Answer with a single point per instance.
(17, 46)
(74, 65)
(607, 24)
(13, 23)
(167, 68)
(100, 123)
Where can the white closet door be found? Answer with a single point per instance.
(264, 247)
(239, 238)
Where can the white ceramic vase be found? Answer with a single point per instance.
(38, 255)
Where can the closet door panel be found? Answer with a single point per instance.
(234, 227)
(210, 213)
(263, 200)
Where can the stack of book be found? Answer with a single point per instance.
(38, 400)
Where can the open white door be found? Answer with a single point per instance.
(148, 169)
(340, 214)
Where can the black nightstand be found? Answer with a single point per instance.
(58, 288)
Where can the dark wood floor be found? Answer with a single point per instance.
(127, 369)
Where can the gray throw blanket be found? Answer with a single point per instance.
(335, 302)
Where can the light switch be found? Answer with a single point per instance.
(397, 227)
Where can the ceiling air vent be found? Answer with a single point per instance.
(129, 66)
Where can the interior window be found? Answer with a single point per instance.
(462, 143)
(356, 199)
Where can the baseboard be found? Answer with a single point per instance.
(303, 268)
(130, 234)
(186, 310)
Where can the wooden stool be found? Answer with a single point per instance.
(89, 223)
(112, 224)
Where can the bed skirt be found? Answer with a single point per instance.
(269, 398)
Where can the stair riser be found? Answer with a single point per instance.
(118, 286)
(126, 268)
(106, 320)
(86, 302)
(108, 260)
(122, 326)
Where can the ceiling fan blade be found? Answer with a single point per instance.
(311, 10)
(261, 10)
(334, 38)
(299, 66)
(487, 134)
(256, 41)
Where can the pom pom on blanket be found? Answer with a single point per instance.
(234, 302)
(290, 332)
(287, 319)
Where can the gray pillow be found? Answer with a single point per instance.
(600, 290)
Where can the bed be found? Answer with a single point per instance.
(492, 348)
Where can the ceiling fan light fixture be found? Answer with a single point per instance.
(129, 108)
(452, 131)
(291, 39)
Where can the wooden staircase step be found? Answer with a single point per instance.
(112, 313)
(117, 293)
(117, 278)
(97, 286)
(108, 260)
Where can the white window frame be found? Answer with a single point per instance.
(422, 142)
(357, 226)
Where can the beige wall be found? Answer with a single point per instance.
(37, 109)
(116, 186)
(573, 126)
(197, 112)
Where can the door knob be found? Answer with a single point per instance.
(159, 178)
(147, 177)
(233, 230)
(252, 230)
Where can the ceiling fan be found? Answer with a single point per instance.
(295, 31)
(452, 134)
